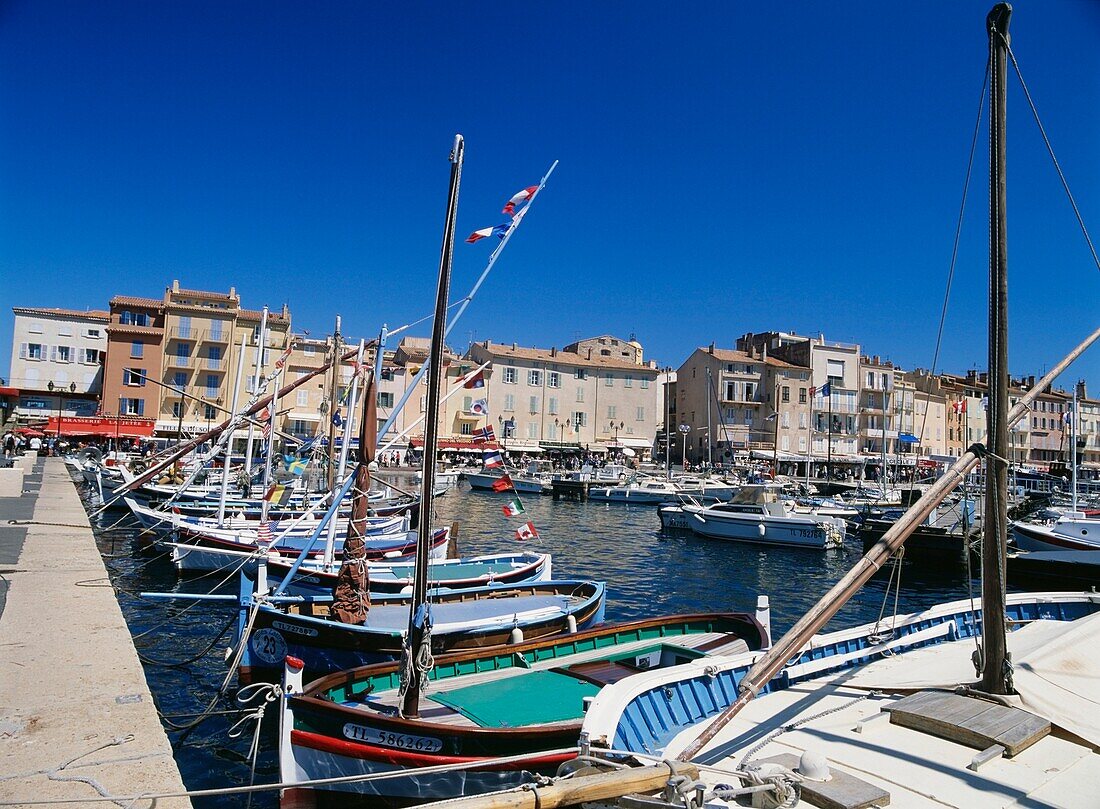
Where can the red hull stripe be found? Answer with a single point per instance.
(407, 758)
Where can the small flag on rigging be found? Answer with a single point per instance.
(484, 434)
(513, 508)
(485, 233)
(503, 484)
(475, 381)
(480, 407)
(278, 494)
(959, 406)
(265, 534)
(279, 363)
(519, 198)
(527, 531)
(492, 458)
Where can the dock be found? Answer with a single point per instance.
(77, 720)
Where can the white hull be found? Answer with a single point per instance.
(1066, 534)
(791, 531)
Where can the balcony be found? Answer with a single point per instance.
(876, 432)
(216, 336)
(210, 364)
(176, 361)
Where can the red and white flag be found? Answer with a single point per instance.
(959, 406)
(527, 531)
(518, 199)
(279, 363)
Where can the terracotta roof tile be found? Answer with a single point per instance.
(129, 300)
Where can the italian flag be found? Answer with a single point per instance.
(512, 508)
(527, 531)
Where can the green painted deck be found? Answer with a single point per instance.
(536, 698)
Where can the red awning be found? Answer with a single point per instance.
(448, 443)
(8, 391)
(102, 425)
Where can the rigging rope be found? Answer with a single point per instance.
(1050, 150)
(954, 254)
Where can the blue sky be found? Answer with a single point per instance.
(725, 167)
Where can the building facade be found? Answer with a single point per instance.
(573, 399)
(56, 363)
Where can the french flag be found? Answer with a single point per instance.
(491, 459)
(485, 233)
(521, 197)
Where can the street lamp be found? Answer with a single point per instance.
(616, 428)
(60, 401)
(684, 430)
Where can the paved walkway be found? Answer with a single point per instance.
(70, 679)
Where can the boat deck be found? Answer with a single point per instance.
(916, 768)
(551, 691)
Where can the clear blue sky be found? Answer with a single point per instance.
(725, 167)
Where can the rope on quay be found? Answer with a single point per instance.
(132, 800)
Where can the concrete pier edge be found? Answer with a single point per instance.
(71, 684)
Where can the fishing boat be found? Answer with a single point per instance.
(758, 514)
(526, 702)
(392, 577)
(214, 553)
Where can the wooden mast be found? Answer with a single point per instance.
(418, 618)
(996, 676)
(333, 404)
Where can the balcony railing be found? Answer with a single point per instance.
(216, 336)
(176, 361)
(211, 364)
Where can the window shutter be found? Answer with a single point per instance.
(140, 406)
(22, 351)
(53, 353)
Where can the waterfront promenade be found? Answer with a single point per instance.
(76, 716)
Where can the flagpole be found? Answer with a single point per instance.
(809, 441)
(516, 220)
(829, 452)
(261, 338)
(333, 390)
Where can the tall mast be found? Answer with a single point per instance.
(995, 517)
(229, 444)
(333, 397)
(261, 346)
(418, 617)
(668, 425)
(710, 395)
(1073, 447)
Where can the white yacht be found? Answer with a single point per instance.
(757, 514)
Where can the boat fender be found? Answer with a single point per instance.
(571, 624)
(762, 529)
(517, 635)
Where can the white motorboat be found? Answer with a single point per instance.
(756, 514)
(637, 491)
(1070, 532)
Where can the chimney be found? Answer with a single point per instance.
(553, 351)
(286, 312)
(1031, 381)
(514, 345)
(232, 292)
(175, 285)
(1082, 393)
(764, 352)
(711, 348)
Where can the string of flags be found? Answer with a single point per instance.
(520, 198)
(491, 457)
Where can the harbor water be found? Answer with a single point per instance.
(648, 572)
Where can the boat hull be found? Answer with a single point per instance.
(1042, 538)
(550, 608)
(761, 530)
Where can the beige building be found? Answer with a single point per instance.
(594, 395)
(736, 404)
(57, 362)
(135, 354)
